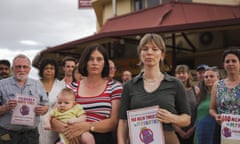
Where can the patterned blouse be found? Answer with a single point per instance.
(228, 99)
(99, 107)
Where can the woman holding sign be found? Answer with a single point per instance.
(225, 96)
(152, 87)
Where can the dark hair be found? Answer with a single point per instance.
(73, 73)
(82, 68)
(46, 62)
(234, 51)
(68, 58)
(5, 62)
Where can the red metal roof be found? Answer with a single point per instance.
(172, 14)
(169, 17)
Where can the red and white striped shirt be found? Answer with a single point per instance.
(99, 107)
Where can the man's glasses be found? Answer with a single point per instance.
(21, 66)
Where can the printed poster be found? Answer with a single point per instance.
(230, 129)
(144, 128)
(24, 113)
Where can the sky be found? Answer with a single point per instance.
(29, 26)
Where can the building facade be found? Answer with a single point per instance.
(195, 31)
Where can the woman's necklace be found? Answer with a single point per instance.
(151, 82)
(154, 80)
(151, 85)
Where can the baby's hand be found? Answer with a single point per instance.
(81, 118)
(71, 121)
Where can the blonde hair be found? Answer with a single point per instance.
(67, 91)
(155, 39)
(184, 68)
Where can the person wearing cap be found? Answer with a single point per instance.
(200, 73)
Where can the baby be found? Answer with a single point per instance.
(67, 110)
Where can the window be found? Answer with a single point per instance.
(141, 4)
(185, 0)
(152, 3)
(166, 1)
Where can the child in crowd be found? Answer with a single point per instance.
(68, 111)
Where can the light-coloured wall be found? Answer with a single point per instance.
(122, 7)
(221, 2)
(104, 10)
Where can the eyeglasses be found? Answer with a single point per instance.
(21, 66)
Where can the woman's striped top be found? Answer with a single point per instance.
(99, 107)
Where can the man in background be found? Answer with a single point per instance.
(126, 75)
(5, 71)
(200, 73)
(68, 64)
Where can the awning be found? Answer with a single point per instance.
(174, 16)
(165, 18)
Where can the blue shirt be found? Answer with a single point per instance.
(9, 89)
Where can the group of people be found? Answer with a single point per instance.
(202, 127)
(211, 97)
(88, 106)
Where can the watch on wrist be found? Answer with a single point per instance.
(92, 128)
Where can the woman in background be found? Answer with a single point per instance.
(186, 134)
(205, 124)
(225, 95)
(48, 72)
